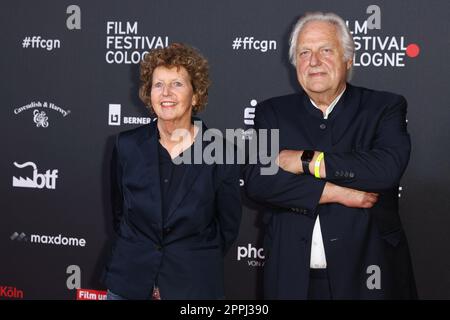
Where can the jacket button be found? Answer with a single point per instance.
(346, 174)
(351, 175)
(336, 174)
(322, 126)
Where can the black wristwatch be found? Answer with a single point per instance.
(306, 158)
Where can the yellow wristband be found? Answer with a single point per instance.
(317, 165)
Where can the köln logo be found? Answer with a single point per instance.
(39, 180)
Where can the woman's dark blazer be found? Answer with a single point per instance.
(184, 255)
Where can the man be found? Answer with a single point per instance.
(333, 228)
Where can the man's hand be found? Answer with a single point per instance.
(289, 160)
(348, 197)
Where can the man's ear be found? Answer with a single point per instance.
(349, 63)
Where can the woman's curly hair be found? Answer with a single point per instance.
(176, 55)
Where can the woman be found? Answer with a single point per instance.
(174, 223)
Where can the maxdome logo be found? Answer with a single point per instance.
(58, 240)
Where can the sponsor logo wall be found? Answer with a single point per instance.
(70, 84)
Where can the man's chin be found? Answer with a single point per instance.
(317, 88)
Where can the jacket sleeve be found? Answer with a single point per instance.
(228, 204)
(298, 193)
(116, 186)
(381, 166)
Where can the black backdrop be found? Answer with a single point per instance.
(69, 81)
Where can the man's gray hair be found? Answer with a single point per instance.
(345, 36)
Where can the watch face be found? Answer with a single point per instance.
(307, 155)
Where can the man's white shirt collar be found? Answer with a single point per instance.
(331, 106)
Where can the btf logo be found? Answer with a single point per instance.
(39, 180)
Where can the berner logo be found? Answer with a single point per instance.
(39, 180)
(46, 239)
(115, 117)
(114, 114)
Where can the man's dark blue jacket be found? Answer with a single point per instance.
(366, 147)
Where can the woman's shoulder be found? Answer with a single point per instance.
(137, 133)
